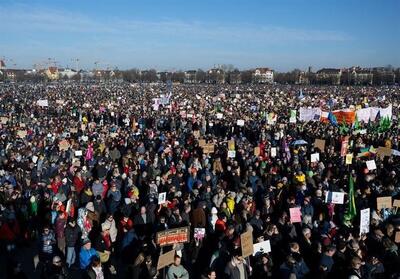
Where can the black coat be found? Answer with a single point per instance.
(71, 235)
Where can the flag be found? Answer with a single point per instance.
(301, 96)
(351, 211)
(384, 124)
(343, 128)
(332, 119)
(356, 124)
(378, 116)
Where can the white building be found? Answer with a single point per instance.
(263, 75)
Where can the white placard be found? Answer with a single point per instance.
(364, 221)
(42, 103)
(78, 153)
(335, 197)
(162, 197)
(240, 122)
(220, 115)
(273, 152)
(262, 247)
(371, 165)
(314, 157)
(34, 159)
(231, 154)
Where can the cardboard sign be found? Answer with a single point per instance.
(63, 145)
(208, 148)
(364, 221)
(383, 151)
(172, 236)
(335, 197)
(257, 151)
(73, 130)
(22, 133)
(396, 203)
(262, 247)
(349, 158)
(231, 154)
(371, 165)
(273, 152)
(383, 202)
(202, 143)
(295, 215)
(231, 145)
(240, 122)
(314, 157)
(320, 144)
(78, 153)
(59, 102)
(397, 237)
(246, 241)
(162, 197)
(196, 134)
(166, 259)
(199, 233)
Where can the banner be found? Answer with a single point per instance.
(364, 221)
(310, 114)
(172, 236)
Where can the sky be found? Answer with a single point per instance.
(186, 34)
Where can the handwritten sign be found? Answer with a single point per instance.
(231, 154)
(162, 197)
(396, 203)
(166, 259)
(273, 152)
(371, 165)
(262, 247)
(295, 215)
(78, 153)
(383, 202)
(335, 197)
(314, 157)
(172, 236)
(246, 241)
(364, 221)
(208, 148)
(320, 144)
(240, 122)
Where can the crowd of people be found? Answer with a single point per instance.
(82, 169)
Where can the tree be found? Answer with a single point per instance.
(178, 77)
(149, 76)
(247, 76)
(200, 76)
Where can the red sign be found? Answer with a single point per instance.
(172, 236)
(345, 147)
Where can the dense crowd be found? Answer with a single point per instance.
(81, 174)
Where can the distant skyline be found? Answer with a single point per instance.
(183, 35)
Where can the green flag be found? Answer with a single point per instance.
(356, 124)
(343, 129)
(384, 124)
(351, 210)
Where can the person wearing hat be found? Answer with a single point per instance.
(86, 253)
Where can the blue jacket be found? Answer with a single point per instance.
(85, 256)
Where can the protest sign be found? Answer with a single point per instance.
(383, 151)
(295, 215)
(273, 152)
(42, 103)
(344, 147)
(240, 122)
(364, 221)
(231, 145)
(349, 158)
(162, 197)
(383, 202)
(320, 144)
(172, 236)
(262, 247)
(220, 115)
(314, 157)
(334, 197)
(166, 259)
(78, 153)
(196, 134)
(3, 120)
(73, 130)
(257, 151)
(231, 154)
(396, 203)
(22, 133)
(397, 237)
(199, 233)
(208, 148)
(293, 116)
(371, 165)
(246, 241)
(202, 142)
(63, 145)
(34, 159)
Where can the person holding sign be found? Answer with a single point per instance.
(176, 270)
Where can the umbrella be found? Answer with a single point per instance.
(299, 142)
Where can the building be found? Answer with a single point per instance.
(68, 73)
(263, 75)
(215, 76)
(361, 76)
(190, 77)
(302, 78)
(329, 76)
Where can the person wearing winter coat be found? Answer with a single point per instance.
(110, 223)
(71, 239)
(86, 254)
(47, 242)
